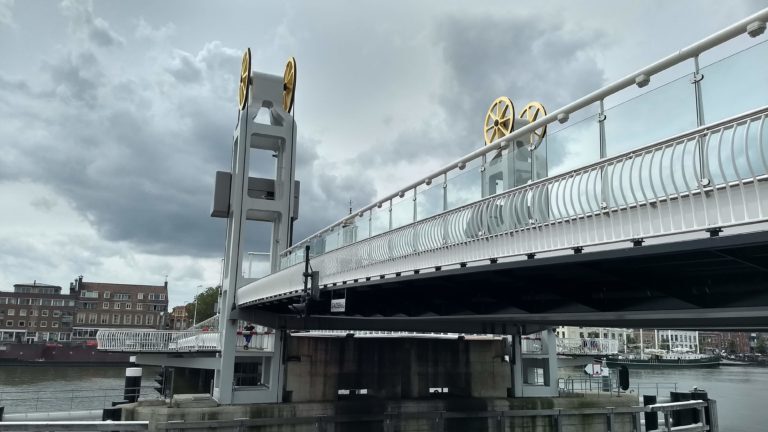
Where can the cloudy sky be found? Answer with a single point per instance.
(114, 116)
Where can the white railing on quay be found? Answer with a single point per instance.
(138, 340)
(588, 346)
(658, 190)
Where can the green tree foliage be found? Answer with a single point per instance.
(761, 347)
(206, 302)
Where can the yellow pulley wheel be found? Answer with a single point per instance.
(289, 84)
(499, 120)
(245, 79)
(532, 112)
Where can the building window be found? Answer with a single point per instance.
(11, 312)
(117, 305)
(9, 323)
(89, 294)
(105, 318)
(126, 319)
(80, 318)
(56, 313)
(138, 320)
(44, 313)
(139, 306)
(106, 294)
(93, 318)
(105, 305)
(55, 324)
(162, 296)
(115, 318)
(23, 312)
(32, 323)
(21, 323)
(122, 296)
(33, 312)
(127, 305)
(43, 323)
(140, 296)
(150, 319)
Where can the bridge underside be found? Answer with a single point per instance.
(705, 283)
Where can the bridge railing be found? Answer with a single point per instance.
(599, 125)
(588, 346)
(138, 340)
(662, 189)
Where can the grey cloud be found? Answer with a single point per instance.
(144, 30)
(42, 203)
(77, 76)
(526, 61)
(83, 22)
(6, 12)
(185, 68)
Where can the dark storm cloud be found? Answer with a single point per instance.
(136, 153)
(486, 57)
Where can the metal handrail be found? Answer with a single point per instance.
(138, 340)
(636, 78)
(46, 426)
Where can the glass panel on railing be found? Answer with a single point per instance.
(332, 239)
(358, 229)
(380, 219)
(429, 200)
(402, 210)
(464, 186)
(735, 84)
(574, 146)
(661, 113)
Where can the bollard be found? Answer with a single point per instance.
(113, 414)
(2, 408)
(132, 384)
(683, 417)
(697, 394)
(651, 418)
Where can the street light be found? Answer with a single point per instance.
(194, 320)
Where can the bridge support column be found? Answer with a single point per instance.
(534, 373)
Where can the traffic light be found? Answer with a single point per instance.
(162, 381)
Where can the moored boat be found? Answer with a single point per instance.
(659, 359)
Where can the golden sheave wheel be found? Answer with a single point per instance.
(532, 112)
(289, 84)
(499, 120)
(245, 79)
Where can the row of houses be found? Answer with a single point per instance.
(37, 312)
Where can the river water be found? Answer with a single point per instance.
(741, 392)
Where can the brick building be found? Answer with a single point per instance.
(36, 312)
(179, 320)
(40, 312)
(110, 305)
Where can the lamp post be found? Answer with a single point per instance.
(194, 320)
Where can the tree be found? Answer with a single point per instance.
(761, 347)
(206, 302)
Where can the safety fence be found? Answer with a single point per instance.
(146, 341)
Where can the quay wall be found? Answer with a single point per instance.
(399, 412)
(397, 368)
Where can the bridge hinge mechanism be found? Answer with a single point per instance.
(714, 232)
